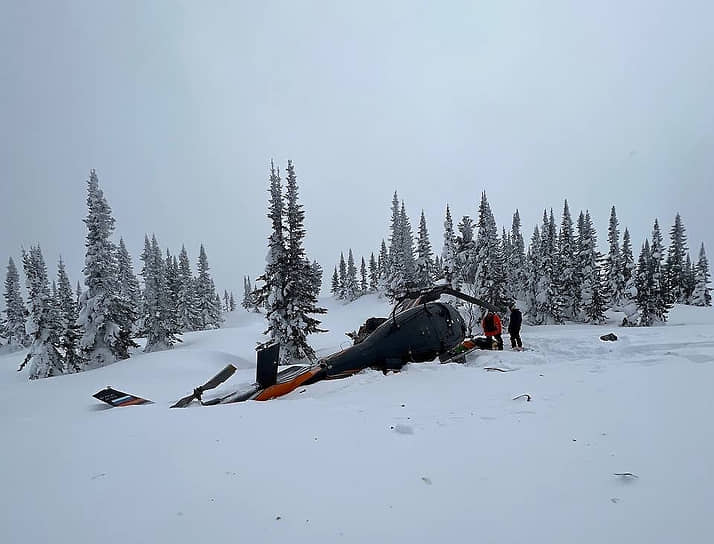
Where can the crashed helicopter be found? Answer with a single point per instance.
(420, 328)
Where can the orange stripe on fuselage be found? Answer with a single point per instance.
(280, 389)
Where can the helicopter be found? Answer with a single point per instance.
(420, 328)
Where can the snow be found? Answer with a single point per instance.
(434, 452)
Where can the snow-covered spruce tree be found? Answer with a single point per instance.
(689, 279)
(43, 323)
(530, 306)
(232, 303)
(363, 285)
(702, 292)
(13, 326)
(401, 252)
(424, 275)
(104, 316)
(593, 303)
(189, 315)
(226, 301)
(161, 330)
(614, 281)
(128, 284)
(489, 280)
(300, 288)
(373, 273)
(660, 293)
(516, 263)
(438, 268)
(383, 268)
(674, 268)
(570, 280)
(448, 251)
(335, 285)
(351, 286)
(646, 287)
(173, 287)
(547, 298)
(207, 300)
(69, 332)
(465, 268)
(629, 276)
(341, 291)
(272, 294)
(316, 278)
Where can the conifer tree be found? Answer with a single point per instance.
(173, 292)
(161, 329)
(68, 331)
(646, 287)
(373, 273)
(342, 292)
(689, 279)
(629, 276)
(363, 278)
(302, 285)
(232, 303)
(383, 267)
(660, 294)
(13, 325)
(316, 279)
(272, 293)
(533, 268)
(226, 301)
(465, 269)
(489, 280)
(424, 275)
(208, 302)
(189, 317)
(570, 281)
(675, 270)
(593, 299)
(104, 316)
(407, 252)
(516, 260)
(43, 323)
(702, 292)
(335, 286)
(351, 287)
(614, 281)
(448, 252)
(547, 298)
(128, 284)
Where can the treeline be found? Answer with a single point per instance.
(70, 330)
(560, 276)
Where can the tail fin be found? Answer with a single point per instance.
(266, 371)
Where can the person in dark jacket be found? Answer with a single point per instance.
(514, 327)
(491, 325)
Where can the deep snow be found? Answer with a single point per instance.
(434, 452)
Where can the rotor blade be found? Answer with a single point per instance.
(219, 378)
(214, 382)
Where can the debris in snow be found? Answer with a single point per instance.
(611, 337)
(626, 475)
(614, 500)
(526, 395)
(277, 518)
(494, 369)
(100, 475)
(426, 480)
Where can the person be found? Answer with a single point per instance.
(514, 327)
(491, 325)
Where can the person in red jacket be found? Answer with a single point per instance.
(491, 325)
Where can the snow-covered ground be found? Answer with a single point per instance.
(434, 452)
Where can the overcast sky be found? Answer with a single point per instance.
(180, 106)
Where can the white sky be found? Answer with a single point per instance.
(181, 105)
